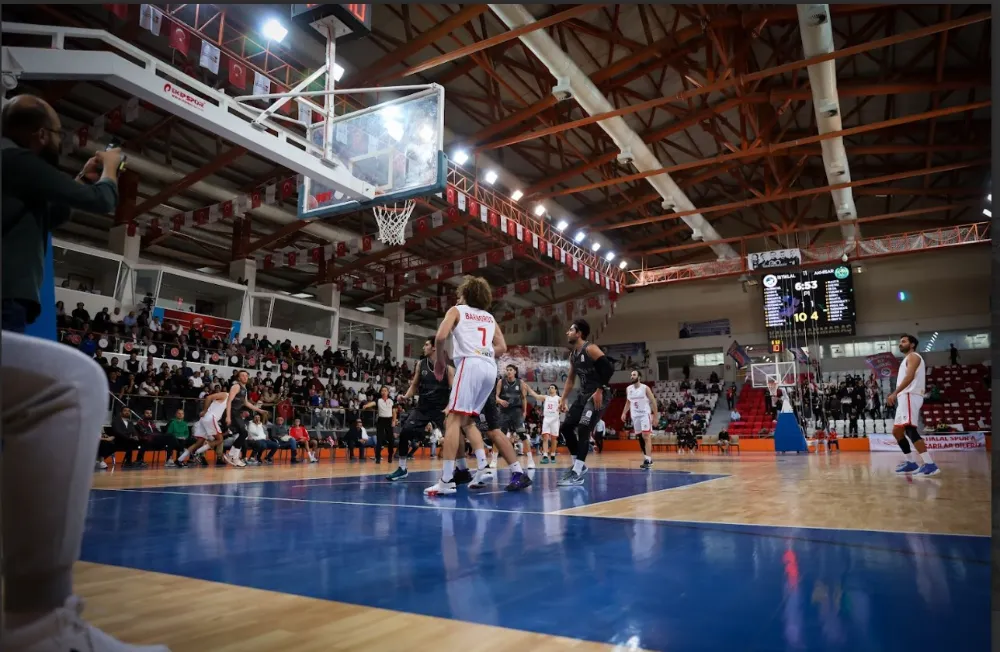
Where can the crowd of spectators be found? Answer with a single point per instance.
(285, 379)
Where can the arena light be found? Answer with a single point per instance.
(539, 210)
(338, 71)
(595, 247)
(490, 177)
(578, 238)
(989, 197)
(366, 309)
(516, 195)
(460, 156)
(901, 296)
(563, 224)
(426, 133)
(302, 295)
(274, 30)
(987, 212)
(609, 256)
(622, 265)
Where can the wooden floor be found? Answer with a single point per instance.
(840, 491)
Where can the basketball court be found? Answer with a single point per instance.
(756, 552)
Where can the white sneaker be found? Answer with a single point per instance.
(169, 463)
(480, 478)
(531, 462)
(64, 629)
(440, 488)
(100, 466)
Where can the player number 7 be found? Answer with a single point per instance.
(482, 331)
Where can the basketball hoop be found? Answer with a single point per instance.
(391, 219)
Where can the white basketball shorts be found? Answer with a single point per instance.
(641, 424)
(206, 427)
(475, 380)
(550, 425)
(908, 410)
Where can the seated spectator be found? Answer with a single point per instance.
(724, 441)
(80, 315)
(356, 436)
(180, 432)
(127, 439)
(105, 449)
(259, 442)
(734, 416)
(301, 437)
(151, 437)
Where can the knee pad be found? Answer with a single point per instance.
(911, 432)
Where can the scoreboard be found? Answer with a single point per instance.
(817, 302)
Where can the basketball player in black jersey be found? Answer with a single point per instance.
(238, 397)
(434, 395)
(512, 398)
(490, 422)
(588, 363)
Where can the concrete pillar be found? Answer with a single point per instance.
(396, 314)
(329, 295)
(242, 308)
(125, 241)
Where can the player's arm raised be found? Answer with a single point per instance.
(605, 371)
(441, 338)
(499, 343)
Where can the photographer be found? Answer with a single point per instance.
(38, 197)
(54, 398)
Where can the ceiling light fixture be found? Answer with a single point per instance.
(274, 30)
(490, 177)
(516, 195)
(460, 157)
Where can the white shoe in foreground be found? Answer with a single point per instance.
(64, 629)
(440, 488)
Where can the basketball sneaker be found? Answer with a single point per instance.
(572, 479)
(398, 474)
(440, 488)
(928, 470)
(545, 459)
(519, 481)
(480, 479)
(907, 467)
(65, 629)
(646, 465)
(462, 476)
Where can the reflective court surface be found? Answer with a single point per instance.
(751, 552)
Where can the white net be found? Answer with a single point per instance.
(391, 219)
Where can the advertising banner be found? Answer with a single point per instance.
(538, 364)
(208, 325)
(960, 441)
(688, 329)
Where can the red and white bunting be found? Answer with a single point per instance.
(481, 260)
(437, 219)
(508, 253)
(456, 267)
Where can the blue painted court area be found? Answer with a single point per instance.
(500, 559)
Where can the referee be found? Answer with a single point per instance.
(384, 423)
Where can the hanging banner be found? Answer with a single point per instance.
(626, 356)
(885, 365)
(688, 329)
(738, 354)
(211, 326)
(775, 258)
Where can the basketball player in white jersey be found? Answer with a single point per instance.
(206, 430)
(641, 403)
(476, 341)
(550, 423)
(908, 399)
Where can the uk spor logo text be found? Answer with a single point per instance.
(184, 97)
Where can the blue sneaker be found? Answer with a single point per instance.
(519, 481)
(907, 467)
(928, 470)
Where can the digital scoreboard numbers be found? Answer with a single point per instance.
(817, 302)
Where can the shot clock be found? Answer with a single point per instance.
(818, 302)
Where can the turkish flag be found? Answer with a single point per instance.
(341, 249)
(179, 39)
(227, 208)
(201, 216)
(115, 119)
(268, 262)
(451, 195)
(366, 243)
(121, 11)
(495, 257)
(494, 219)
(433, 303)
(423, 276)
(237, 74)
(316, 254)
(291, 259)
(469, 265)
(420, 225)
(154, 228)
(255, 199)
(178, 221)
(545, 281)
(452, 213)
(287, 188)
(500, 292)
(473, 208)
(523, 287)
(511, 227)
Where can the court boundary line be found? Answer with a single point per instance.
(560, 513)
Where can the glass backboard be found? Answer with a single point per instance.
(395, 146)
